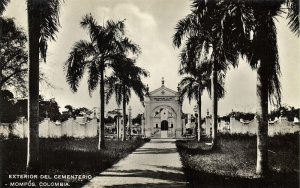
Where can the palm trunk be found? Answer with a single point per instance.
(129, 124)
(33, 86)
(118, 129)
(124, 114)
(199, 115)
(214, 107)
(1, 75)
(262, 119)
(101, 144)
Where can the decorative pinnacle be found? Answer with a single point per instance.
(147, 90)
(163, 81)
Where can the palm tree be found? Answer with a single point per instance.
(205, 25)
(43, 23)
(126, 77)
(195, 82)
(242, 18)
(263, 57)
(262, 54)
(106, 42)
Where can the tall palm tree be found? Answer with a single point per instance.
(194, 83)
(125, 78)
(206, 25)
(95, 55)
(43, 23)
(262, 54)
(263, 57)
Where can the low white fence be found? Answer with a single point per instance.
(78, 128)
(279, 127)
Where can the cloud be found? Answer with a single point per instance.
(151, 25)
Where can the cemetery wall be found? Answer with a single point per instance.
(77, 128)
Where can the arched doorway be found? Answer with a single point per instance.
(164, 126)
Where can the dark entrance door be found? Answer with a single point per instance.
(164, 125)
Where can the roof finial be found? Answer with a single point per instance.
(163, 81)
(147, 90)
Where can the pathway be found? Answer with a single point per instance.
(156, 164)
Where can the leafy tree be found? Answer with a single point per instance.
(75, 112)
(285, 111)
(238, 116)
(6, 100)
(137, 119)
(49, 109)
(70, 109)
(13, 57)
(81, 111)
(109, 119)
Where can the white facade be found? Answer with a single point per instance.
(163, 114)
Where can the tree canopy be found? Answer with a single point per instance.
(13, 57)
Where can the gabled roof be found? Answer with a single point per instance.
(163, 91)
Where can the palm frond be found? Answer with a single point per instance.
(3, 4)
(49, 13)
(88, 22)
(293, 16)
(94, 75)
(182, 29)
(188, 88)
(127, 45)
(76, 63)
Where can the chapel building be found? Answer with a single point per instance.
(163, 114)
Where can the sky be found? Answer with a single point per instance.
(151, 25)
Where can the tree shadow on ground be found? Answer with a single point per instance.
(162, 141)
(167, 167)
(155, 151)
(139, 185)
(172, 175)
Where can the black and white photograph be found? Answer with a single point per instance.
(149, 93)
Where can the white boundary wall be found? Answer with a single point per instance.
(279, 127)
(78, 128)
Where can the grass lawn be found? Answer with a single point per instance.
(65, 156)
(233, 165)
